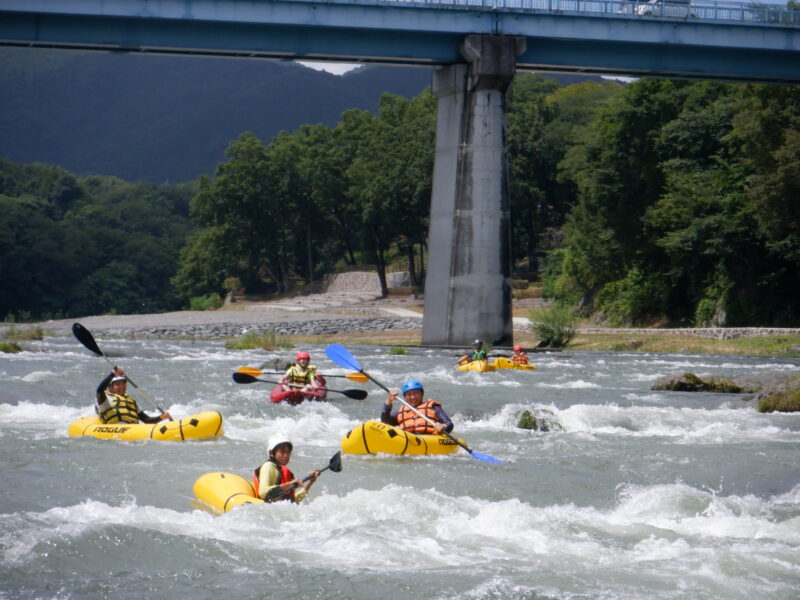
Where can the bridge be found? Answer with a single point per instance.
(703, 39)
(478, 46)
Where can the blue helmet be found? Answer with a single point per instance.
(411, 384)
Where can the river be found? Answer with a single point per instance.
(638, 494)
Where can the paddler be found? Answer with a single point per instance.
(478, 353)
(519, 357)
(300, 375)
(407, 419)
(115, 406)
(274, 480)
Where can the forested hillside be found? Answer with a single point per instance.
(72, 246)
(657, 201)
(166, 119)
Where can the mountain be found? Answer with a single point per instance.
(168, 119)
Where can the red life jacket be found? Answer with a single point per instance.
(410, 421)
(286, 476)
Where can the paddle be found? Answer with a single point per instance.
(342, 357)
(335, 465)
(240, 377)
(85, 337)
(359, 377)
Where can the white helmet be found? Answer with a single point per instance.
(278, 439)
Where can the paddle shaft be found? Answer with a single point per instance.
(282, 372)
(342, 357)
(85, 337)
(336, 457)
(240, 377)
(379, 384)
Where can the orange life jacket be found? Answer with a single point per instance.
(520, 359)
(285, 476)
(410, 421)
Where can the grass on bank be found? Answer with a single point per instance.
(780, 345)
(13, 336)
(776, 345)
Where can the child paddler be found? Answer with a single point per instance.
(301, 375)
(408, 420)
(274, 480)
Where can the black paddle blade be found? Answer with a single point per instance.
(243, 378)
(356, 394)
(336, 462)
(84, 336)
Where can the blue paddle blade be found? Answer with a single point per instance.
(486, 457)
(342, 357)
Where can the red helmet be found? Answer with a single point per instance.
(300, 355)
(517, 348)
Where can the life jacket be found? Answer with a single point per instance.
(478, 355)
(520, 359)
(299, 376)
(118, 409)
(285, 475)
(410, 421)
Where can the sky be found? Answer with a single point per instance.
(330, 67)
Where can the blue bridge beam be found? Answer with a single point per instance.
(593, 36)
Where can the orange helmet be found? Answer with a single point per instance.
(300, 355)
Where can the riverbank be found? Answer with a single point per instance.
(353, 313)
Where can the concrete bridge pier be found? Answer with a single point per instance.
(468, 284)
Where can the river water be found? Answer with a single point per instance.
(642, 494)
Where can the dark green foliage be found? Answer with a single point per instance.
(685, 208)
(77, 246)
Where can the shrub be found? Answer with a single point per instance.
(10, 347)
(32, 333)
(634, 298)
(252, 340)
(555, 326)
(210, 301)
(398, 350)
(231, 283)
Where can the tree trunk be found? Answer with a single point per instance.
(380, 265)
(412, 268)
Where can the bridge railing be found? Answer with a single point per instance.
(705, 10)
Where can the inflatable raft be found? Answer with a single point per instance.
(480, 366)
(374, 437)
(297, 396)
(224, 491)
(507, 363)
(201, 425)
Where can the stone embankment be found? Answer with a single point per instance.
(227, 330)
(722, 333)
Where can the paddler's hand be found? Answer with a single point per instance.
(392, 396)
(312, 477)
(439, 427)
(166, 416)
